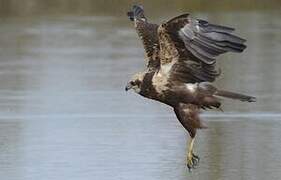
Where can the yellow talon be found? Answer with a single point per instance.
(192, 159)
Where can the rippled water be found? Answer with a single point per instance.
(64, 113)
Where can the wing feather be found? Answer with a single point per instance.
(147, 33)
(207, 41)
(196, 41)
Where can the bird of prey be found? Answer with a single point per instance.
(181, 66)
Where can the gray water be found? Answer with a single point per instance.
(64, 113)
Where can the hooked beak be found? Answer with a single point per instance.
(128, 87)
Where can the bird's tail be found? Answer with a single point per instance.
(232, 95)
(137, 12)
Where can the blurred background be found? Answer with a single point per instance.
(64, 113)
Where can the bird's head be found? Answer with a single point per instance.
(135, 82)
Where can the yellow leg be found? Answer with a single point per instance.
(192, 159)
(190, 149)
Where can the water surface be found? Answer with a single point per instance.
(64, 113)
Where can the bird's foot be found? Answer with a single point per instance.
(192, 161)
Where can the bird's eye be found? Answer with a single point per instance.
(133, 83)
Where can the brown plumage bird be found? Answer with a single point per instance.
(181, 58)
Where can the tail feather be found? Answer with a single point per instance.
(137, 12)
(233, 95)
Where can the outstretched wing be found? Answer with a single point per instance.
(192, 46)
(188, 115)
(147, 33)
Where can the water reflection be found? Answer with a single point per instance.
(64, 113)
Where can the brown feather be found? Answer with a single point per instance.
(188, 115)
(148, 34)
(196, 43)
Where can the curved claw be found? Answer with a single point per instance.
(192, 162)
(196, 157)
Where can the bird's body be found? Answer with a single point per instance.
(181, 64)
(156, 86)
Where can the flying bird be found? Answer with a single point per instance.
(181, 56)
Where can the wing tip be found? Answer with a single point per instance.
(237, 48)
(136, 12)
(252, 99)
